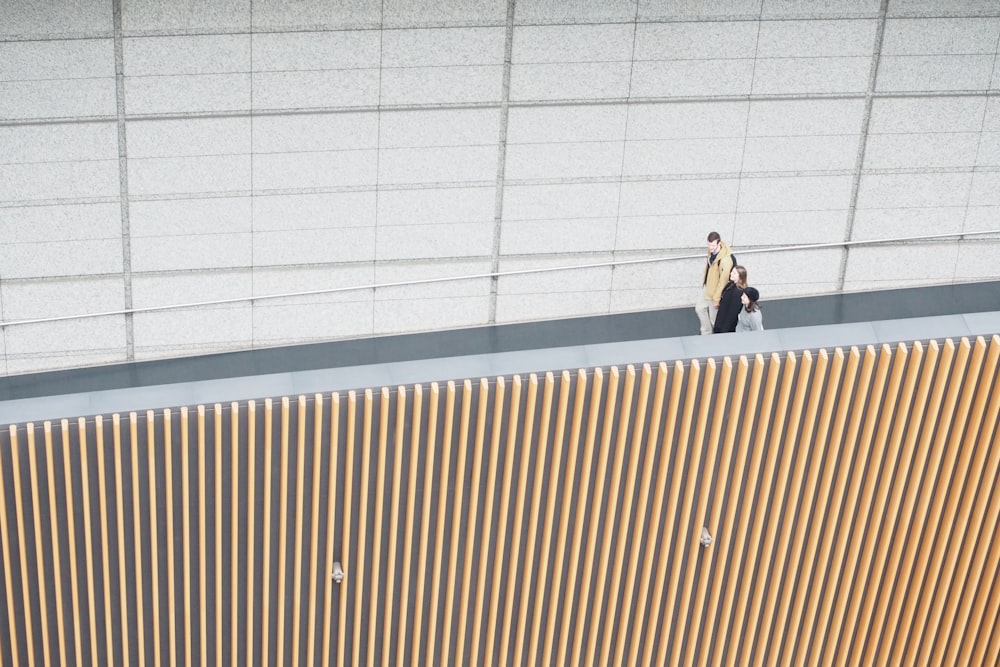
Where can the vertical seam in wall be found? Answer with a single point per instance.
(3, 330)
(501, 161)
(621, 172)
(378, 155)
(746, 127)
(975, 161)
(123, 179)
(859, 163)
(253, 272)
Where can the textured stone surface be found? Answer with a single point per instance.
(152, 16)
(281, 146)
(30, 19)
(48, 241)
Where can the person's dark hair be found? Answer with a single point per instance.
(752, 296)
(714, 236)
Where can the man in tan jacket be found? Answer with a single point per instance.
(718, 265)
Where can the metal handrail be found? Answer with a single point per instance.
(475, 276)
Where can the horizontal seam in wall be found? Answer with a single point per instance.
(495, 104)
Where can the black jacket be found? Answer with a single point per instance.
(729, 309)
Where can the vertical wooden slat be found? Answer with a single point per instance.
(525, 616)
(989, 631)
(265, 550)
(737, 549)
(390, 569)
(667, 448)
(688, 535)
(696, 633)
(954, 443)
(596, 500)
(931, 557)
(140, 607)
(470, 535)
(331, 526)
(868, 463)
(8, 563)
(632, 569)
(723, 544)
(979, 632)
(88, 538)
(449, 423)
(169, 512)
(963, 491)
(39, 539)
(409, 528)
(603, 449)
(870, 541)
(797, 443)
(568, 495)
(898, 511)
(612, 529)
(903, 618)
(586, 544)
(251, 575)
(802, 622)
(186, 530)
(71, 533)
(487, 525)
(313, 529)
(300, 482)
(456, 532)
(234, 533)
(515, 574)
(102, 484)
(974, 557)
(877, 629)
(783, 440)
(123, 614)
(57, 570)
(279, 641)
(202, 541)
(345, 540)
(829, 562)
(3, 540)
(425, 520)
(582, 494)
(761, 476)
(377, 519)
(700, 509)
(359, 606)
(25, 610)
(505, 491)
(154, 560)
(885, 503)
(618, 563)
(558, 445)
(217, 421)
(813, 498)
(669, 513)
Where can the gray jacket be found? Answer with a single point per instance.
(750, 321)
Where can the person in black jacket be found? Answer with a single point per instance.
(731, 301)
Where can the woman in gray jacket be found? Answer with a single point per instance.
(750, 318)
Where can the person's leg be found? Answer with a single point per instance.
(702, 308)
(713, 312)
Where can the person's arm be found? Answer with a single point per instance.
(725, 267)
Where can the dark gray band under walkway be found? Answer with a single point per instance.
(834, 320)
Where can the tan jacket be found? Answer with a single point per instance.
(717, 274)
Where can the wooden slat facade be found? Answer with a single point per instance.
(557, 519)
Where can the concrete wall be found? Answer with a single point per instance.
(155, 153)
